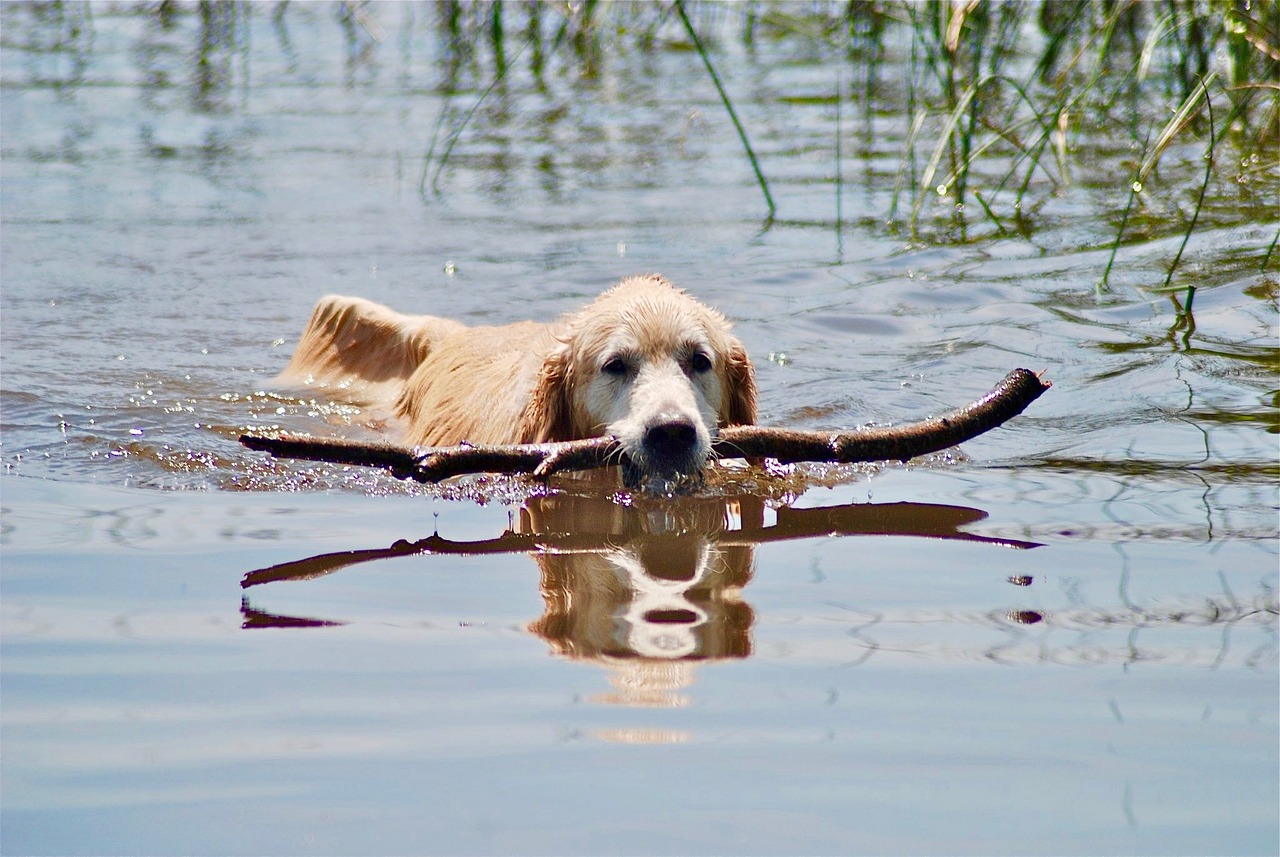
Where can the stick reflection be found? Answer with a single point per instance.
(649, 589)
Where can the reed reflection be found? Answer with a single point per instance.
(646, 588)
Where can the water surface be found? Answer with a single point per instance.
(1060, 638)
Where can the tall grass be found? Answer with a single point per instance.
(1090, 69)
(1005, 102)
(1155, 108)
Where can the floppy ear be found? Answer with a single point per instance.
(739, 405)
(548, 415)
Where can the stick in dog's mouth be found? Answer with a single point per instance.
(1009, 398)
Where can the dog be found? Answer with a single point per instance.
(644, 362)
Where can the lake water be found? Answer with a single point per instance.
(1060, 638)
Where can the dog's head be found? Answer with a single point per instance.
(651, 366)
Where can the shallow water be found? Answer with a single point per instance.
(1060, 638)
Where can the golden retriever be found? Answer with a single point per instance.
(644, 362)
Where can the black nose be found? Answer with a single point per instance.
(671, 440)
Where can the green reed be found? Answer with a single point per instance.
(1005, 101)
(728, 104)
(1006, 104)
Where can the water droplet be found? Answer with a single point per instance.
(942, 190)
(1137, 187)
(448, 268)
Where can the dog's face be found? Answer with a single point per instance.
(651, 366)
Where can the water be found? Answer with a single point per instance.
(1060, 638)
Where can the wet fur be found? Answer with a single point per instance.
(529, 382)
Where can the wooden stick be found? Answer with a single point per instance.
(1010, 397)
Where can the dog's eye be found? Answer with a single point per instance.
(700, 362)
(616, 366)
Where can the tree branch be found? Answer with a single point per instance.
(1010, 397)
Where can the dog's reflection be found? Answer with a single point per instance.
(646, 587)
(663, 592)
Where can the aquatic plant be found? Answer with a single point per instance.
(1150, 112)
(1008, 104)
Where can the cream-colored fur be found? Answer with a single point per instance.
(644, 362)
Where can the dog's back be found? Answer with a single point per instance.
(476, 386)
